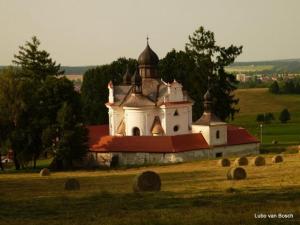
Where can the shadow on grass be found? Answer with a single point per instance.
(107, 203)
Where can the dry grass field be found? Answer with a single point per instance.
(192, 193)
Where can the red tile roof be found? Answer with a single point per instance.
(96, 132)
(238, 135)
(155, 144)
(100, 141)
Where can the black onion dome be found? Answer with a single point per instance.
(127, 76)
(148, 57)
(207, 96)
(136, 78)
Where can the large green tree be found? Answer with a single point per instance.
(16, 102)
(30, 98)
(94, 90)
(211, 60)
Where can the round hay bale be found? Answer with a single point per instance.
(147, 181)
(44, 172)
(242, 161)
(277, 159)
(236, 173)
(224, 162)
(72, 184)
(258, 161)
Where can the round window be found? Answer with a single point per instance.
(176, 128)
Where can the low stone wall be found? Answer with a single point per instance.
(141, 158)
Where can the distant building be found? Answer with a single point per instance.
(150, 122)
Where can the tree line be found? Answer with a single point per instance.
(284, 117)
(291, 86)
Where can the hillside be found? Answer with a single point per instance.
(266, 67)
(255, 101)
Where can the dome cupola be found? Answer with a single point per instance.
(148, 62)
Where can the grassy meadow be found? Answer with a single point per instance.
(259, 100)
(192, 193)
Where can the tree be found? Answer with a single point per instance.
(211, 60)
(274, 88)
(180, 66)
(268, 117)
(94, 92)
(70, 137)
(16, 101)
(260, 118)
(284, 116)
(36, 63)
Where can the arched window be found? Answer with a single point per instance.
(176, 113)
(218, 134)
(136, 131)
(176, 128)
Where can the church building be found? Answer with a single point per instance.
(150, 122)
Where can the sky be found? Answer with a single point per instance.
(95, 32)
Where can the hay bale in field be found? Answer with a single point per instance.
(72, 184)
(147, 181)
(224, 162)
(258, 161)
(44, 172)
(236, 173)
(242, 161)
(277, 159)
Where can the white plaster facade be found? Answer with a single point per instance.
(173, 110)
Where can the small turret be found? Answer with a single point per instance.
(136, 82)
(127, 77)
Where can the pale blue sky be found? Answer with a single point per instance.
(89, 32)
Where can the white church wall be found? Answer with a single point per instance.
(140, 118)
(176, 123)
(115, 117)
(175, 93)
(218, 135)
(204, 130)
(237, 150)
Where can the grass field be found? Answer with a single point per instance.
(259, 100)
(192, 193)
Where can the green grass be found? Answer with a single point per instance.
(259, 100)
(192, 193)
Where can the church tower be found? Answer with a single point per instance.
(213, 129)
(148, 62)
